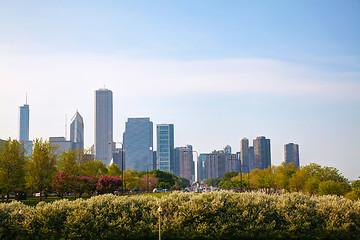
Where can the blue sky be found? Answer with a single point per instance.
(218, 70)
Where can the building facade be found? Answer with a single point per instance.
(291, 153)
(103, 146)
(262, 154)
(184, 162)
(165, 148)
(62, 144)
(138, 144)
(24, 113)
(244, 155)
(251, 158)
(77, 131)
(218, 162)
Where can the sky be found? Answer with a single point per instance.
(218, 70)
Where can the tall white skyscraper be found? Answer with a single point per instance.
(138, 144)
(24, 123)
(77, 131)
(103, 147)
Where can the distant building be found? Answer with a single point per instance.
(62, 144)
(103, 147)
(165, 147)
(227, 149)
(184, 159)
(138, 144)
(244, 155)
(77, 131)
(154, 160)
(218, 162)
(201, 166)
(291, 153)
(262, 155)
(117, 157)
(251, 158)
(24, 123)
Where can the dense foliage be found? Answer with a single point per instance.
(212, 215)
(310, 179)
(73, 171)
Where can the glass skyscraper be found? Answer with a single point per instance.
(262, 155)
(24, 123)
(77, 131)
(103, 147)
(138, 144)
(165, 148)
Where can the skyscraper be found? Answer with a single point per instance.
(24, 123)
(77, 131)
(103, 147)
(251, 158)
(291, 153)
(184, 158)
(24, 113)
(244, 155)
(262, 155)
(165, 147)
(138, 144)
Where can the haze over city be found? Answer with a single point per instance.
(219, 71)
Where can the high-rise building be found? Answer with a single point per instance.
(184, 158)
(165, 147)
(62, 144)
(24, 123)
(77, 131)
(262, 155)
(24, 113)
(291, 152)
(251, 158)
(201, 166)
(138, 144)
(103, 147)
(218, 162)
(244, 155)
(227, 149)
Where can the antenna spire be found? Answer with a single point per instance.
(65, 126)
(26, 99)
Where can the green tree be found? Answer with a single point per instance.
(114, 170)
(94, 168)
(12, 166)
(212, 181)
(42, 166)
(334, 188)
(312, 186)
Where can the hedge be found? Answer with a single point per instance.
(211, 215)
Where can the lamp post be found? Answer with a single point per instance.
(122, 166)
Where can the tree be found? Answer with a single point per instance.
(107, 184)
(114, 170)
(334, 188)
(311, 186)
(148, 182)
(94, 168)
(12, 166)
(212, 181)
(42, 166)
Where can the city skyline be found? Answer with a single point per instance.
(218, 71)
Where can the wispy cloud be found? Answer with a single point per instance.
(42, 73)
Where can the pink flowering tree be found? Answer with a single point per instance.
(108, 184)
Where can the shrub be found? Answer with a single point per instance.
(210, 215)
